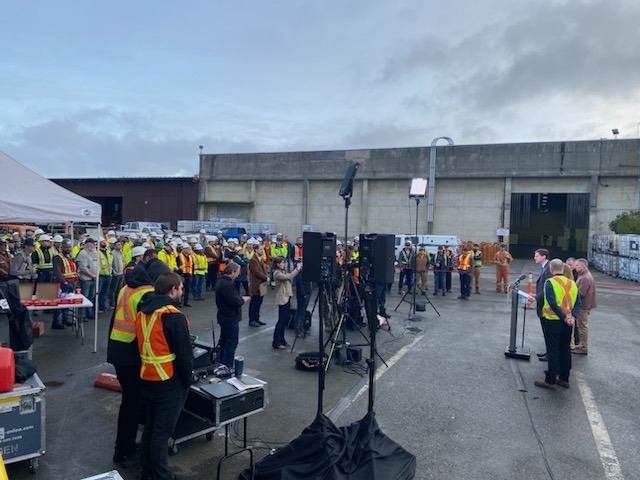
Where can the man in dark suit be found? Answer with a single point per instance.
(541, 257)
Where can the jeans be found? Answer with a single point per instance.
(440, 283)
(88, 288)
(163, 408)
(229, 332)
(381, 297)
(196, 285)
(105, 283)
(284, 311)
(254, 308)
(465, 284)
(63, 315)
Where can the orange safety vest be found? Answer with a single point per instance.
(69, 271)
(211, 253)
(464, 262)
(297, 252)
(186, 264)
(155, 355)
(124, 319)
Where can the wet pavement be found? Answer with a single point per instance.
(448, 393)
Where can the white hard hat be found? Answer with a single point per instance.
(173, 245)
(133, 235)
(202, 230)
(153, 234)
(58, 239)
(143, 236)
(38, 231)
(338, 242)
(146, 245)
(185, 245)
(197, 246)
(137, 251)
(193, 240)
(259, 239)
(44, 238)
(111, 232)
(112, 240)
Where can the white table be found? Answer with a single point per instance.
(78, 324)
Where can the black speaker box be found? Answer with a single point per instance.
(377, 257)
(318, 256)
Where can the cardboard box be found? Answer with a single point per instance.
(38, 329)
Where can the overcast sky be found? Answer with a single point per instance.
(132, 88)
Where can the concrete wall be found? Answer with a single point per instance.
(473, 185)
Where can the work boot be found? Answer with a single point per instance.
(542, 383)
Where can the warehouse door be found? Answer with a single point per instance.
(558, 222)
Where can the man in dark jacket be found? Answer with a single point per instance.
(166, 357)
(123, 354)
(229, 303)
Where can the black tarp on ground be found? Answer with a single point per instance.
(359, 451)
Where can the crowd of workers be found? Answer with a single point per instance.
(144, 280)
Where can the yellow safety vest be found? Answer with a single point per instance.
(155, 355)
(124, 319)
(199, 264)
(106, 262)
(42, 264)
(566, 292)
(126, 252)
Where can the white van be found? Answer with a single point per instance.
(144, 227)
(432, 242)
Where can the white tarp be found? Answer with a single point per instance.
(26, 197)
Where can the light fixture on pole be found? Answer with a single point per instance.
(615, 132)
(417, 191)
(432, 181)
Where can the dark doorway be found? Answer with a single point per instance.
(558, 222)
(111, 210)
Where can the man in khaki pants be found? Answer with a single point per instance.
(587, 292)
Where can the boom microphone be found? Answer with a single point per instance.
(522, 277)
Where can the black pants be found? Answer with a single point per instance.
(186, 288)
(447, 280)
(558, 339)
(254, 308)
(163, 406)
(212, 276)
(131, 408)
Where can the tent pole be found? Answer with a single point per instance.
(95, 299)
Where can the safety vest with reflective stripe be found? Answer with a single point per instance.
(566, 292)
(124, 319)
(106, 262)
(199, 264)
(464, 262)
(297, 252)
(42, 263)
(126, 252)
(69, 271)
(186, 264)
(155, 355)
(168, 259)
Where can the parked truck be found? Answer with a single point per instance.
(431, 242)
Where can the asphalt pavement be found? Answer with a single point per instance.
(447, 393)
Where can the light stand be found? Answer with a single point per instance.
(417, 190)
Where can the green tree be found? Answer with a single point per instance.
(626, 222)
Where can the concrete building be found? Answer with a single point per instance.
(554, 194)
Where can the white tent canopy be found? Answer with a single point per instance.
(26, 197)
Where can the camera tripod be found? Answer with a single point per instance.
(339, 307)
(412, 302)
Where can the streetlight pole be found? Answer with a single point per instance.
(432, 181)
